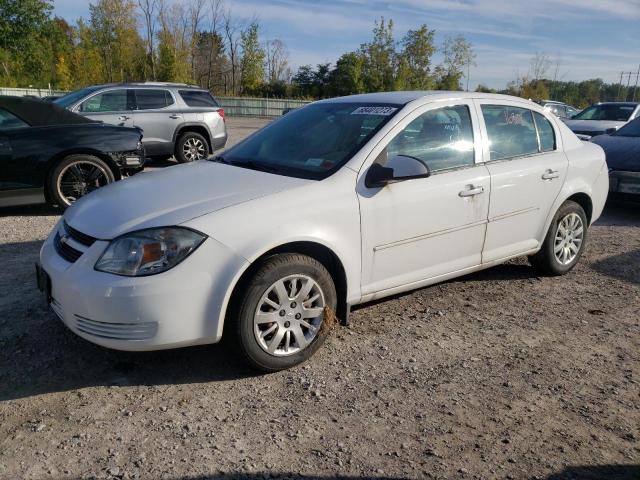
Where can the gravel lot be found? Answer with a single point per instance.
(500, 374)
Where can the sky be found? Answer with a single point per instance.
(584, 38)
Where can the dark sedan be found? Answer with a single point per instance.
(623, 157)
(48, 154)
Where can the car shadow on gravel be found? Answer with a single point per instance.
(625, 267)
(40, 210)
(598, 472)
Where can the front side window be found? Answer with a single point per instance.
(441, 139)
(313, 141)
(8, 121)
(147, 99)
(610, 112)
(545, 133)
(110, 101)
(511, 131)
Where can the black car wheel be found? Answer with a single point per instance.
(77, 175)
(191, 146)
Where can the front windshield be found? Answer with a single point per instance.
(312, 142)
(71, 98)
(611, 112)
(631, 129)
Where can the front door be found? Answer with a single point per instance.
(527, 170)
(110, 106)
(425, 228)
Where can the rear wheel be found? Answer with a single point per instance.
(76, 176)
(191, 146)
(279, 320)
(565, 241)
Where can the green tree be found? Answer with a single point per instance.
(458, 56)
(414, 63)
(380, 57)
(63, 75)
(252, 61)
(347, 78)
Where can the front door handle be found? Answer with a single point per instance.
(470, 191)
(174, 116)
(550, 174)
(123, 118)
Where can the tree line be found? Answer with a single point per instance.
(201, 42)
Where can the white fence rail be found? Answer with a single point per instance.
(233, 106)
(34, 92)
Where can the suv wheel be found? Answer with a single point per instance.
(191, 146)
(76, 176)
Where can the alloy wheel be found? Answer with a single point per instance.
(569, 237)
(289, 315)
(80, 178)
(194, 149)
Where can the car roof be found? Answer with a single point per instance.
(626, 104)
(38, 113)
(185, 86)
(404, 97)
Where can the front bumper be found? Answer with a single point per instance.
(176, 308)
(621, 181)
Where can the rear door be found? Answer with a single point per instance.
(113, 106)
(528, 168)
(154, 114)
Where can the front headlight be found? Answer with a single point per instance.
(148, 252)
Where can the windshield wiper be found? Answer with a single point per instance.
(220, 159)
(261, 167)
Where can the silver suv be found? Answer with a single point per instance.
(176, 119)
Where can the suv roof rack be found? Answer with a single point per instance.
(165, 84)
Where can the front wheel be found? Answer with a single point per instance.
(77, 175)
(565, 241)
(279, 322)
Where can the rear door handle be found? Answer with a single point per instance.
(550, 174)
(123, 118)
(174, 116)
(470, 191)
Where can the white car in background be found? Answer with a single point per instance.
(338, 203)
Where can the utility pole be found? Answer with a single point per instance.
(619, 86)
(636, 85)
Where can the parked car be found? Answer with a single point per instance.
(50, 98)
(559, 109)
(176, 119)
(622, 149)
(50, 154)
(603, 118)
(338, 203)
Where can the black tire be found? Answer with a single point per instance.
(197, 139)
(271, 271)
(545, 260)
(64, 171)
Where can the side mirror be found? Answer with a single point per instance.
(609, 131)
(396, 169)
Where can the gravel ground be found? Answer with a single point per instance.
(499, 374)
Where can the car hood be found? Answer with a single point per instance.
(595, 126)
(170, 196)
(623, 153)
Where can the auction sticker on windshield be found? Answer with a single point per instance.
(386, 111)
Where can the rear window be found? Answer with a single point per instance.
(198, 98)
(9, 121)
(147, 99)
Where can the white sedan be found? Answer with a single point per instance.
(338, 203)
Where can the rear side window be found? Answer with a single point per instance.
(511, 131)
(8, 121)
(545, 132)
(198, 98)
(147, 99)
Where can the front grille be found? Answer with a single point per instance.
(117, 331)
(66, 251)
(79, 237)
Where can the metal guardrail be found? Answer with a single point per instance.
(36, 92)
(233, 106)
(257, 107)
